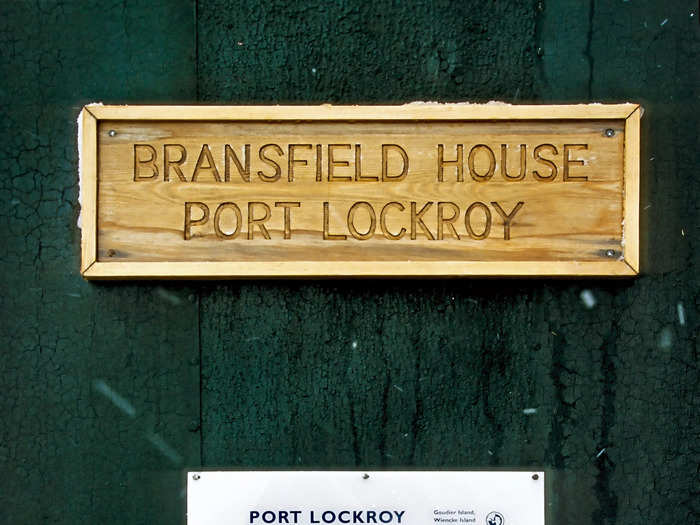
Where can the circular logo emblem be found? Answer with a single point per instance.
(494, 518)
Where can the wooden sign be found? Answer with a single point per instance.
(332, 191)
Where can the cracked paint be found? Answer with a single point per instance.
(343, 374)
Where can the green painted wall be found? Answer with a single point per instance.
(110, 391)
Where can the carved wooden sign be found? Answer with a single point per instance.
(326, 191)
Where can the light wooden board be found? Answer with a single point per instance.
(360, 176)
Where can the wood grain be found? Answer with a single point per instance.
(631, 189)
(415, 110)
(346, 220)
(87, 125)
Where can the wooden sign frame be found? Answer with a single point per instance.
(626, 264)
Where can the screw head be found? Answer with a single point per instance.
(540, 51)
(609, 132)
(610, 253)
(112, 133)
(196, 476)
(535, 477)
(365, 476)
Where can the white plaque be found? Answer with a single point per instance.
(365, 498)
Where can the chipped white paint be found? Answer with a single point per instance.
(168, 296)
(588, 299)
(119, 401)
(681, 313)
(665, 338)
(164, 448)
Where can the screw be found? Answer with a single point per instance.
(610, 253)
(540, 6)
(112, 133)
(540, 52)
(365, 476)
(111, 253)
(196, 476)
(535, 477)
(609, 132)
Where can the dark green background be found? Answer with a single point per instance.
(344, 374)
